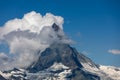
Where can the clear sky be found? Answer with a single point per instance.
(93, 24)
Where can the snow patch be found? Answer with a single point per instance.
(62, 75)
(94, 70)
(5, 75)
(58, 66)
(88, 67)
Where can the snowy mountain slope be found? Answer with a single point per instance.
(62, 62)
(56, 72)
(59, 72)
(111, 71)
(106, 72)
(13, 74)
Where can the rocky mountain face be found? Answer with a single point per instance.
(59, 62)
(68, 56)
(2, 78)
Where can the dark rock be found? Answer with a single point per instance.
(55, 27)
(2, 78)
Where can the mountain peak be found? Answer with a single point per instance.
(60, 53)
(57, 53)
(55, 27)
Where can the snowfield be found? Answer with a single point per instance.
(105, 72)
(111, 71)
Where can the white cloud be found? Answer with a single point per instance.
(29, 35)
(114, 51)
(32, 21)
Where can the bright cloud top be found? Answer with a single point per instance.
(29, 36)
(114, 51)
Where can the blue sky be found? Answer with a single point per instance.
(93, 24)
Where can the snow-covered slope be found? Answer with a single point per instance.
(59, 71)
(5, 75)
(111, 71)
(105, 72)
(13, 74)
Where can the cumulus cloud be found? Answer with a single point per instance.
(29, 36)
(114, 51)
